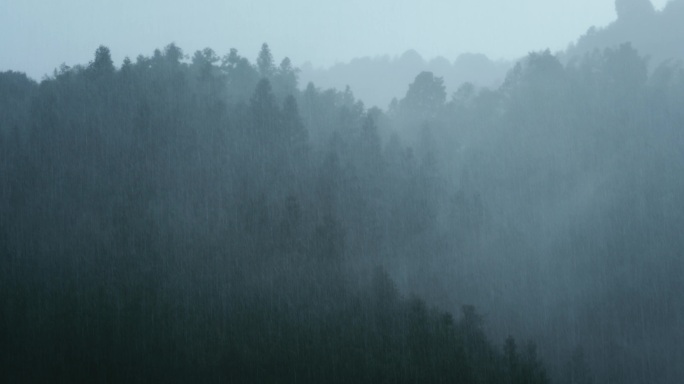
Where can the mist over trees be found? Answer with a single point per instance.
(160, 223)
(208, 218)
(656, 34)
(378, 80)
(576, 169)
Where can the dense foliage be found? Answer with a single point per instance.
(206, 221)
(655, 33)
(377, 80)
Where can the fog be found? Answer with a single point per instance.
(410, 214)
(379, 80)
(320, 32)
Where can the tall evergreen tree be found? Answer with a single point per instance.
(265, 63)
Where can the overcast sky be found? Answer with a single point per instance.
(36, 36)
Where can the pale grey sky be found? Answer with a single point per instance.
(36, 36)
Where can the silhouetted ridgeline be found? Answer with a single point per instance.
(378, 80)
(657, 34)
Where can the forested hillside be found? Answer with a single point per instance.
(656, 34)
(201, 218)
(378, 80)
(205, 221)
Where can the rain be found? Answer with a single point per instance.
(240, 215)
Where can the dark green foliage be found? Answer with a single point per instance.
(159, 223)
(103, 64)
(194, 220)
(425, 96)
(583, 156)
(656, 34)
(265, 62)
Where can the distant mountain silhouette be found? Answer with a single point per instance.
(656, 34)
(377, 80)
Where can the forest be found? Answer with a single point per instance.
(207, 218)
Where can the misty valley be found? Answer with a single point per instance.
(206, 217)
